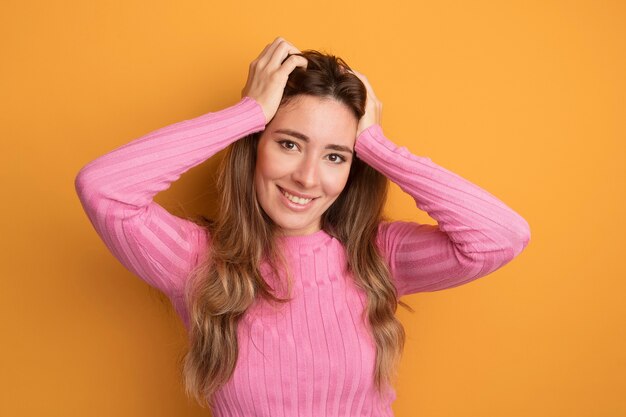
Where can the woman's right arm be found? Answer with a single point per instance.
(116, 191)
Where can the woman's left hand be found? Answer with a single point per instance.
(373, 107)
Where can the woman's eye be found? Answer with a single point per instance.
(336, 158)
(287, 144)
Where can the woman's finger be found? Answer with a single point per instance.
(265, 58)
(292, 62)
(280, 54)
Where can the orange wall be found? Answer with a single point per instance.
(524, 98)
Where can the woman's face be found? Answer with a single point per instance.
(303, 161)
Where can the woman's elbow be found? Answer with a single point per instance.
(523, 237)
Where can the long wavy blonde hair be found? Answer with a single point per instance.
(222, 288)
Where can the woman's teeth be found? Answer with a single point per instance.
(294, 199)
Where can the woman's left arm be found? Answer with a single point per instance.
(476, 233)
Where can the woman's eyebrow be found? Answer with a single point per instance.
(305, 138)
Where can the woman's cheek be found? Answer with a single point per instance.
(274, 163)
(335, 180)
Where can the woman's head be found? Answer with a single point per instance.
(324, 102)
(304, 159)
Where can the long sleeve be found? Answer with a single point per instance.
(116, 191)
(476, 233)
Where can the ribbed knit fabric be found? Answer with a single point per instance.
(314, 356)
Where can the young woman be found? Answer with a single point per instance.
(289, 295)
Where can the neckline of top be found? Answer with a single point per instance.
(314, 239)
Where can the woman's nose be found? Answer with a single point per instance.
(306, 173)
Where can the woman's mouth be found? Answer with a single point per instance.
(295, 199)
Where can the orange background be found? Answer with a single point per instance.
(524, 98)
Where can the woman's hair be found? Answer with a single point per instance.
(223, 286)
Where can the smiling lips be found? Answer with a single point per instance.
(295, 199)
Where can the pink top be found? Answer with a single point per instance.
(315, 356)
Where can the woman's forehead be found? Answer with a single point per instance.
(314, 119)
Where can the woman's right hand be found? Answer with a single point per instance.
(268, 75)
